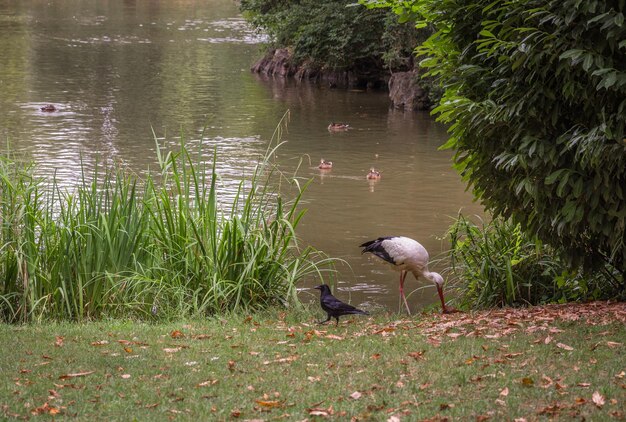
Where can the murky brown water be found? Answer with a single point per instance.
(117, 70)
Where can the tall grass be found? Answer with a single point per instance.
(167, 245)
(497, 264)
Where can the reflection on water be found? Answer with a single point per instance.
(117, 71)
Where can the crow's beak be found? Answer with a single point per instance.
(318, 287)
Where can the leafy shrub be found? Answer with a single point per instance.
(536, 99)
(497, 264)
(337, 35)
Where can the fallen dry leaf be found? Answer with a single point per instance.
(268, 403)
(356, 395)
(125, 376)
(613, 344)
(99, 343)
(334, 337)
(564, 346)
(504, 392)
(528, 382)
(417, 355)
(583, 384)
(59, 341)
(597, 399)
(318, 411)
(76, 375)
(177, 334)
(172, 349)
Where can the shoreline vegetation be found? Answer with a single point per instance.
(160, 247)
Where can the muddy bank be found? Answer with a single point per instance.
(404, 93)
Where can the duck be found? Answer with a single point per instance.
(49, 108)
(337, 127)
(325, 165)
(373, 174)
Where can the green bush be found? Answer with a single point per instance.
(337, 35)
(535, 95)
(167, 245)
(497, 264)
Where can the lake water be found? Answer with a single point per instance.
(118, 70)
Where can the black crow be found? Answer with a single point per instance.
(333, 306)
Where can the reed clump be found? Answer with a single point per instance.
(166, 245)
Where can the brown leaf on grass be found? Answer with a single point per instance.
(583, 384)
(45, 408)
(356, 395)
(128, 349)
(177, 334)
(417, 355)
(288, 359)
(151, 406)
(434, 341)
(59, 341)
(621, 375)
(319, 411)
(424, 386)
(235, 413)
(207, 383)
(547, 381)
(504, 392)
(172, 349)
(598, 399)
(553, 409)
(385, 330)
(613, 344)
(528, 382)
(564, 346)
(269, 404)
(125, 376)
(231, 365)
(201, 336)
(334, 337)
(375, 356)
(547, 340)
(76, 375)
(99, 343)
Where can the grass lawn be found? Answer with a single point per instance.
(553, 362)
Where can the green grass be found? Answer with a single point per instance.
(538, 363)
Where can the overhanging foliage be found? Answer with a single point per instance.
(536, 99)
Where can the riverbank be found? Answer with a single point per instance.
(405, 90)
(557, 362)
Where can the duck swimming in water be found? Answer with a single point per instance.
(49, 108)
(373, 174)
(338, 127)
(325, 165)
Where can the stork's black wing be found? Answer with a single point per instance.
(376, 247)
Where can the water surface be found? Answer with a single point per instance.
(116, 71)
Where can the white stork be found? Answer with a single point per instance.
(406, 254)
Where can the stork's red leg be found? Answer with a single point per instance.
(402, 276)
